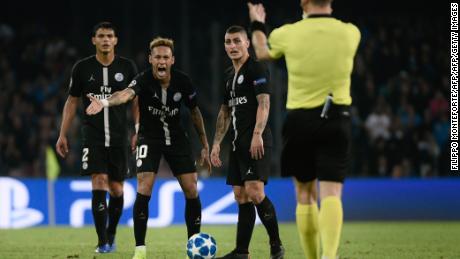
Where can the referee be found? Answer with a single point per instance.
(319, 52)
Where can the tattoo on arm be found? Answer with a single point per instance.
(262, 113)
(197, 120)
(121, 97)
(223, 121)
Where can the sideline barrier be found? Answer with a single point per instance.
(23, 202)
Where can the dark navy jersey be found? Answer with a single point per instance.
(241, 90)
(160, 108)
(109, 127)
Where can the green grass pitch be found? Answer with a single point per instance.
(406, 240)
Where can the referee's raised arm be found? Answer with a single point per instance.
(258, 30)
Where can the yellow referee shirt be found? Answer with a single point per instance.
(319, 53)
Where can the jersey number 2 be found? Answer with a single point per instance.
(84, 158)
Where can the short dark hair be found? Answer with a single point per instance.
(236, 29)
(104, 25)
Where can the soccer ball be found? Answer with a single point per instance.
(201, 246)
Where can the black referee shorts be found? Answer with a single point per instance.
(243, 168)
(315, 147)
(178, 155)
(112, 161)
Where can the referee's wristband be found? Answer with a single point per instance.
(105, 103)
(258, 26)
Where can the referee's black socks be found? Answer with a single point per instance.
(99, 209)
(140, 217)
(245, 226)
(193, 216)
(115, 210)
(267, 215)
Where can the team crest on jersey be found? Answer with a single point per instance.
(119, 77)
(84, 165)
(240, 79)
(177, 97)
(139, 163)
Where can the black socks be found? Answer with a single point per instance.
(193, 216)
(140, 216)
(99, 209)
(245, 226)
(267, 215)
(115, 210)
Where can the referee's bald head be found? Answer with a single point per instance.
(321, 3)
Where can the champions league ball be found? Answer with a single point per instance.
(201, 246)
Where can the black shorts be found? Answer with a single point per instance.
(243, 168)
(179, 156)
(315, 147)
(112, 161)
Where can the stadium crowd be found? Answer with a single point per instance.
(400, 90)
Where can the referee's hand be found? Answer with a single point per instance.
(257, 146)
(256, 12)
(95, 105)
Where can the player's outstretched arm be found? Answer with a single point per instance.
(70, 108)
(257, 144)
(259, 39)
(223, 121)
(198, 122)
(117, 98)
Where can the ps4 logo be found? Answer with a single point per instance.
(23, 203)
(14, 202)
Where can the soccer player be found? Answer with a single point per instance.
(104, 153)
(319, 52)
(246, 106)
(161, 90)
